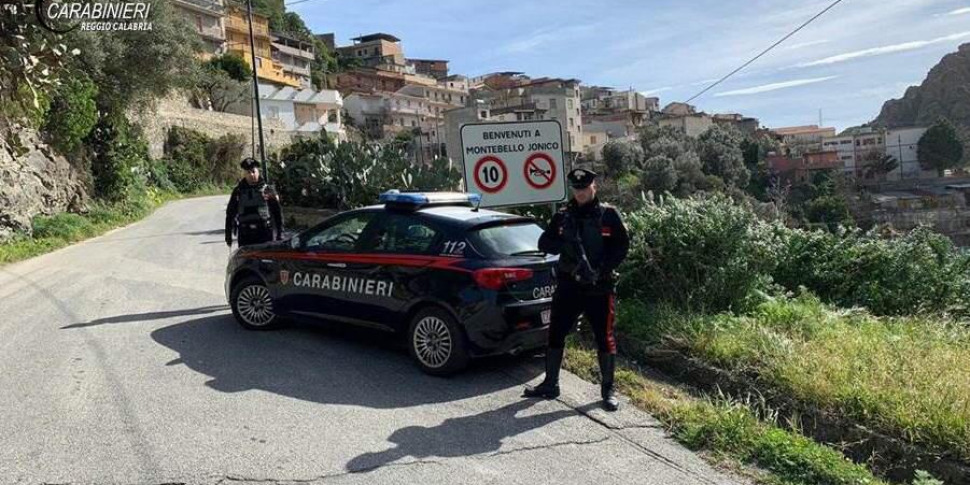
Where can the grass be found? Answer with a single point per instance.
(907, 377)
(54, 232)
(729, 431)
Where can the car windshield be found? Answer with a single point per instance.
(508, 239)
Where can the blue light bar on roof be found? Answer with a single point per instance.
(418, 199)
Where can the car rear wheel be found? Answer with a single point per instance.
(436, 343)
(252, 305)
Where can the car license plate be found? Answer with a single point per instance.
(546, 316)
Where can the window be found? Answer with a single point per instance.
(592, 139)
(552, 103)
(483, 114)
(403, 234)
(571, 123)
(507, 239)
(340, 236)
(569, 103)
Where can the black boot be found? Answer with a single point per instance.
(607, 369)
(549, 389)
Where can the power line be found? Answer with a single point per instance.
(755, 58)
(294, 2)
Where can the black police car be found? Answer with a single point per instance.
(457, 281)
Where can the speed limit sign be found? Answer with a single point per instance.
(490, 174)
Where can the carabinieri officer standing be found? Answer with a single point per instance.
(253, 211)
(592, 242)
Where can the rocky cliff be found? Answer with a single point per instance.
(944, 93)
(34, 180)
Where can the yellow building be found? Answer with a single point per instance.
(237, 41)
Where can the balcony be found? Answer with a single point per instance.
(242, 25)
(300, 53)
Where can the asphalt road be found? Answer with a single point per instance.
(120, 363)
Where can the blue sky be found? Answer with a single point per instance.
(846, 63)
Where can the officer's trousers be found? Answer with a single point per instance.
(599, 306)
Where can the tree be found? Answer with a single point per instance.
(720, 151)
(131, 68)
(939, 149)
(831, 210)
(215, 89)
(30, 61)
(659, 175)
(878, 166)
(233, 65)
(621, 157)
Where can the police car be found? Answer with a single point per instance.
(458, 282)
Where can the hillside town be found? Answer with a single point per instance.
(387, 93)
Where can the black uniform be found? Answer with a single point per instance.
(591, 241)
(255, 217)
(598, 228)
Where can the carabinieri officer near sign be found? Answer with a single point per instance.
(592, 242)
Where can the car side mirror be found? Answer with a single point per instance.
(295, 242)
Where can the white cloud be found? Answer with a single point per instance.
(704, 82)
(810, 43)
(545, 36)
(887, 49)
(764, 88)
(959, 11)
(651, 92)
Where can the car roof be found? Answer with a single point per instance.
(463, 216)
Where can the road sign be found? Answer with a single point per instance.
(539, 171)
(491, 175)
(517, 163)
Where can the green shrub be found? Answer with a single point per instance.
(120, 158)
(318, 173)
(699, 254)
(917, 272)
(73, 113)
(193, 160)
(65, 226)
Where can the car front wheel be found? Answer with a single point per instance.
(436, 343)
(252, 305)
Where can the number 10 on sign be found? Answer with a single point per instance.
(491, 174)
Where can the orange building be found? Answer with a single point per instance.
(237, 41)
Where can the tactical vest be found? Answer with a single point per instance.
(253, 208)
(589, 226)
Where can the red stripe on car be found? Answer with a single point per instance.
(417, 261)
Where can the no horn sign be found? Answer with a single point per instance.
(518, 163)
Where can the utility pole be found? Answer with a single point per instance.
(259, 116)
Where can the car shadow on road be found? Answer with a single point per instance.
(140, 317)
(458, 437)
(322, 364)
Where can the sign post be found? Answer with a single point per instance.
(518, 163)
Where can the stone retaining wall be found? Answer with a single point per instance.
(176, 111)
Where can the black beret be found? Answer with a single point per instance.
(580, 178)
(249, 163)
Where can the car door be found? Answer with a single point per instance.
(323, 276)
(403, 246)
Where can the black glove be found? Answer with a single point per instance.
(229, 241)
